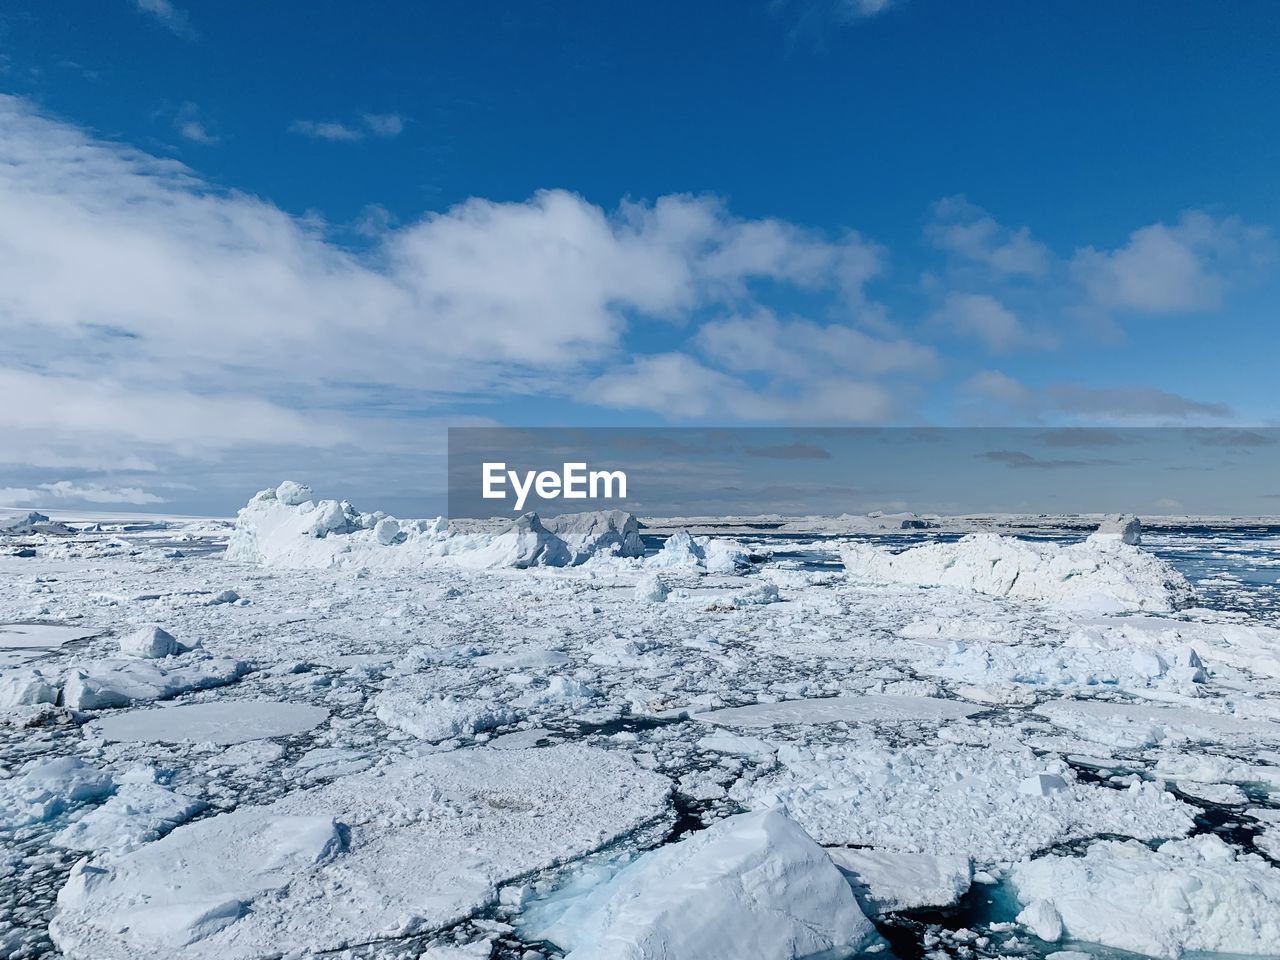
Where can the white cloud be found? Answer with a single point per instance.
(1172, 269)
(149, 315)
(985, 318)
(801, 348)
(678, 387)
(384, 124)
(971, 234)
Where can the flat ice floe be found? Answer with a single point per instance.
(408, 848)
(1195, 894)
(220, 722)
(22, 642)
(867, 709)
(754, 885)
(1103, 573)
(888, 881)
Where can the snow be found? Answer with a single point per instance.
(409, 704)
(752, 885)
(224, 722)
(416, 845)
(1194, 894)
(1105, 574)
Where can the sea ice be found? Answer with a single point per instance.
(404, 849)
(1194, 894)
(221, 722)
(43, 789)
(411, 703)
(887, 881)
(949, 799)
(754, 885)
(651, 589)
(138, 813)
(863, 709)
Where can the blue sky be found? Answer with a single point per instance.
(243, 241)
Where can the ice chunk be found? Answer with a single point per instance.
(43, 789)
(524, 543)
(1124, 527)
(410, 703)
(754, 885)
(292, 493)
(1042, 919)
(601, 533)
(387, 531)
(886, 880)
(680, 552)
(651, 589)
(405, 849)
(1042, 784)
(21, 688)
(222, 721)
(150, 642)
(1104, 575)
(118, 683)
(1194, 894)
(725, 556)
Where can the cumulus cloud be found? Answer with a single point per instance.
(1172, 269)
(677, 386)
(983, 317)
(970, 234)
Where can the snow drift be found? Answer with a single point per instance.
(1104, 573)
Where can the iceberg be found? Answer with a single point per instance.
(1104, 575)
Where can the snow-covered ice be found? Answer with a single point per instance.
(227, 722)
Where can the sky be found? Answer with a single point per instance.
(241, 242)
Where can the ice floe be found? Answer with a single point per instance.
(407, 848)
(221, 722)
(754, 885)
(1186, 895)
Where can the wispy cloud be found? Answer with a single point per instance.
(69, 490)
(191, 126)
(382, 125)
(174, 19)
